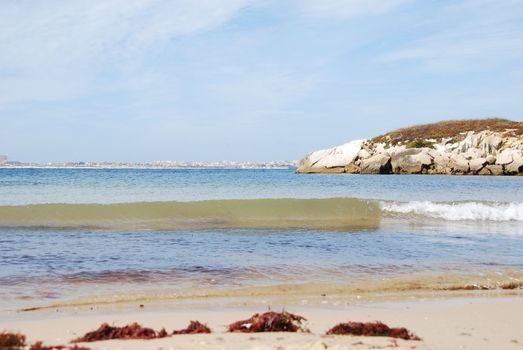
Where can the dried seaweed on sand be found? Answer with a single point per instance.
(11, 340)
(40, 346)
(194, 327)
(269, 322)
(132, 331)
(371, 329)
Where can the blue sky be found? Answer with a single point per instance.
(124, 80)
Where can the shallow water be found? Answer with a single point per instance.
(31, 186)
(419, 232)
(111, 265)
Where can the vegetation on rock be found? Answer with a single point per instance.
(447, 129)
(420, 144)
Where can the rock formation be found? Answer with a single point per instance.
(490, 147)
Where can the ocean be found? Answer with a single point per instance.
(76, 237)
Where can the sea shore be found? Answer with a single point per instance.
(487, 322)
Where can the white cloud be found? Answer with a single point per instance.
(263, 89)
(55, 49)
(347, 8)
(476, 35)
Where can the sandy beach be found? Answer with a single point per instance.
(457, 323)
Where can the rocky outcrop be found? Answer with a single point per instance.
(411, 161)
(376, 164)
(483, 152)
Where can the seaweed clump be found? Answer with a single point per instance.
(506, 285)
(132, 331)
(194, 327)
(269, 322)
(40, 346)
(371, 329)
(11, 340)
(512, 285)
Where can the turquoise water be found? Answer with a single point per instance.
(29, 186)
(418, 227)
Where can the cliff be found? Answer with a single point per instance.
(462, 147)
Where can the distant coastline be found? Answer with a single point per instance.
(153, 165)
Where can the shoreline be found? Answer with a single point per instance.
(443, 323)
(121, 295)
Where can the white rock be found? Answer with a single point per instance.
(377, 164)
(515, 168)
(433, 153)
(314, 157)
(491, 159)
(423, 158)
(473, 153)
(495, 169)
(445, 147)
(471, 141)
(477, 164)
(380, 148)
(338, 156)
(507, 156)
(411, 161)
(395, 149)
(459, 164)
(364, 154)
(491, 143)
(442, 159)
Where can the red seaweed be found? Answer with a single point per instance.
(132, 331)
(194, 327)
(39, 346)
(162, 333)
(371, 329)
(11, 340)
(269, 322)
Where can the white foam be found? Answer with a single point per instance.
(458, 211)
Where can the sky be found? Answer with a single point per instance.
(145, 80)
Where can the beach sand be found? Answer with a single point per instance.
(443, 323)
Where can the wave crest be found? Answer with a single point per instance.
(457, 211)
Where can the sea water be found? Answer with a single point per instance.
(80, 236)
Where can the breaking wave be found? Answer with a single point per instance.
(457, 211)
(332, 213)
(287, 213)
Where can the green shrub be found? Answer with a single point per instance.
(420, 144)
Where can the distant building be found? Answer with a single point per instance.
(3, 159)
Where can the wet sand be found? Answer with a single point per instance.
(442, 323)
